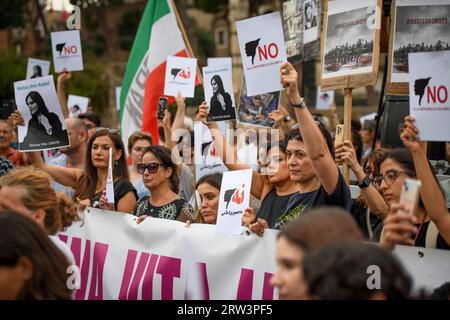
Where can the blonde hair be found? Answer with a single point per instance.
(38, 194)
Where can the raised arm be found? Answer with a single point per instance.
(321, 159)
(375, 201)
(431, 194)
(61, 92)
(178, 121)
(62, 175)
(229, 157)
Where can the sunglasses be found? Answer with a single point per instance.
(110, 130)
(151, 167)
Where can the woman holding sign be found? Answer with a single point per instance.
(44, 126)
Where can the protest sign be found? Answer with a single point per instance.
(254, 111)
(350, 44)
(263, 51)
(110, 180)
(234, 199)
(311, 20)
(66, 48)
(118, 92)
(180, 76)
(206, 158)
(429, 87)
(416, 26)
(77, 105)
(324, 99)
(219, 93)
(220, 62)
(45, 127)
(37, 68)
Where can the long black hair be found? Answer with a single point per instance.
(164, 155)
(219, 82)
(37, 98)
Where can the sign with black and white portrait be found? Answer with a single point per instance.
(310, 21)
(44, 127)
(37, 68)
(219, 94)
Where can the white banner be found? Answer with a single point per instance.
(120, 259)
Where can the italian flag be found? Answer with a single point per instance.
(158, 36)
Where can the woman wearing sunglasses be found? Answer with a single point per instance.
(90, 183)
(420, 230)
(160, 177)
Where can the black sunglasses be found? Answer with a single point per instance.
(151, 167)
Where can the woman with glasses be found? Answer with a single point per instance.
(420, 230)
(90, 183)
(160, 177)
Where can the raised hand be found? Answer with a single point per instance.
(202, 112)
(346, 152)
(398, 228)
(289, 78)
(410, 136)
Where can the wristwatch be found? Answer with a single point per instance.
(301, 105)
(365, 183)
(287, 118)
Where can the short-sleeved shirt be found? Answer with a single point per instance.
(179, 209)
(300, 202)
(61, 160)
(272, 207)
(121, 188)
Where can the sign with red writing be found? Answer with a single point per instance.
(66, 48)
(429, 87)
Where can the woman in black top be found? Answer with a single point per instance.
(44, 126)
(160, 177)
(431, 216)
(221, 105)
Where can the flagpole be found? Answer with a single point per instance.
(185, 37)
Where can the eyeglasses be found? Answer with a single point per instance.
(389, 177)
(110, 130)
(151, 167)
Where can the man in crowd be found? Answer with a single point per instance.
(91, 121)
(6, 151)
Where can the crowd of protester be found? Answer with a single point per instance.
(297, 188)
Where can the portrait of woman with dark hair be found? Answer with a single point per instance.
(44, 128)
(221, 105)
(37, 71)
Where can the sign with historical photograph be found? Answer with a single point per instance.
(234, 199)
(311, 20)
(418, 26)
(45, 127)
(263, 51)
(37, 68)
(66, 48)
(77, 105)
(205, 154)
(324, 99)
(180, 76)
(255, 110)
(429, 87)
(219, 93)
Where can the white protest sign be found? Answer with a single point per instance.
(44, 127)
(66, 48)
(263, 51)
(118, 91)
(206, 158)
(110, 180)
(220, 62)
(37, 68)
(324, 99)
(429, 86)
(234, 199)
(77, 105)
(219, 93)
(180, 76)
(310, 20)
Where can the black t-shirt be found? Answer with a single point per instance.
(358, 212)
(179, 209)
(299, 202)
(272, 207)
(121, 188)
(421, 239)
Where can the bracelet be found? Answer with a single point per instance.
(301, 105)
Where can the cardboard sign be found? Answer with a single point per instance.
(45, 127)
(206, 158)
(180, 76)
(77, 105)
(66, 48)
(37, 68)
(263, 51)
(220, 62)
(429, 88)
(234, 199)
(219, 93)
(324, 99)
